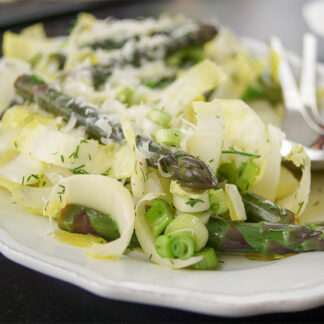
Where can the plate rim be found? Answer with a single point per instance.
(209, 303)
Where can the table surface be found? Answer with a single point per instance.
(28, 296)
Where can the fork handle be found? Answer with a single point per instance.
(308, 76)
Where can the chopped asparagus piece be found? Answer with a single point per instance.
(259, 209)
(188, 170)
(197, 37)
(84, 220)
(264, 237)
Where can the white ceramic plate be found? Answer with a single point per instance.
(241, 287)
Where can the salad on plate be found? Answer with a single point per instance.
(157, 134)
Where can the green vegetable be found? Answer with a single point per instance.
(218, 201)
(84, 220)
(209, 261)
(107, 44)
(160, 117)
(228, 171)
(59, 59)
(244, 177)
(186, 57)
(163, 246)
(182, 245)
(190, 224)
(59, 104)
(232, 150)
(264, 88)
(259, 209)
(125, 96)
(247, 174)
(133, 242)
(188, 170)
(159, 216)
(35, 59)
(177, 245)
(160, 84)
(264, 237)
(193, 39)
(168, 136)
(193, 201)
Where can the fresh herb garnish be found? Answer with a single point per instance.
(192, 202)
(232, 150)
(301, 204)
(143, 174)
(79, 170)
(63, 190)
(75, 154)
(106, 173)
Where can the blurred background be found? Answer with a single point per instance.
(255, 18)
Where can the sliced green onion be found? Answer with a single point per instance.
(247, 174)
(203, 216)
(159, 117)
(209, 260)
(218, 201)
(168, 136)
(159, 216)
(163, 246)
(178, 245)
(187, 223)
(182, 245)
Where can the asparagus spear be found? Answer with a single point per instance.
(259, 209)
(264, 237)
(188, 170)
(33, 88)
(111, 44)
(84, 220)
(194, 38)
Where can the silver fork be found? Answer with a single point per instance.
(307, 86)
(299, 125)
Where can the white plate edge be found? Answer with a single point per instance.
(187, 300)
